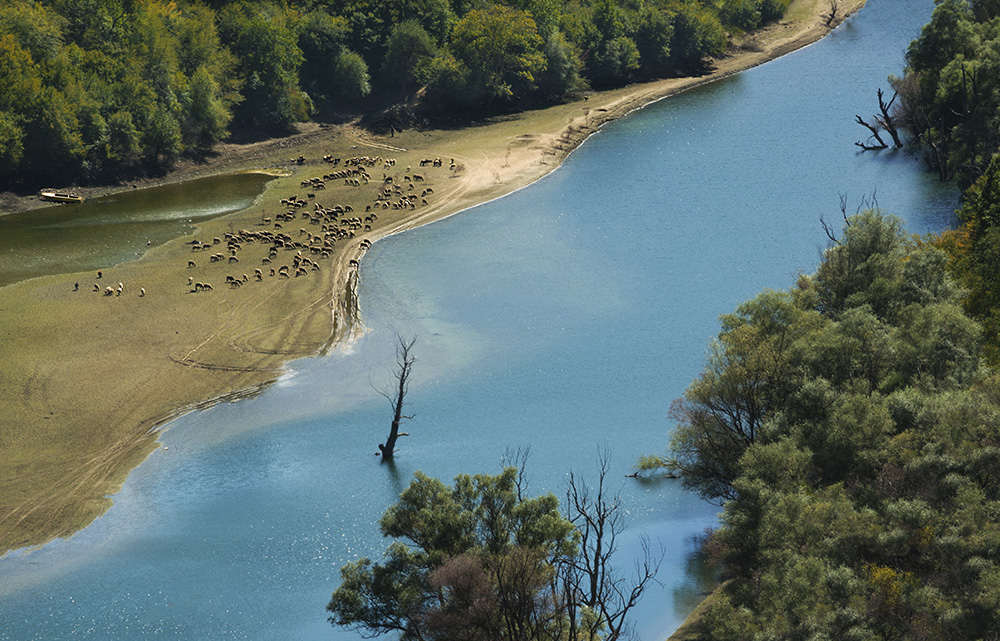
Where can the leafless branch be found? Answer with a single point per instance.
(404, 367)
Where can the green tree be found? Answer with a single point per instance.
(37, 28)
(162, 134)
(865, 267)
(851, 428)
(697, 34)
(11, 144)
(653, 32)
(562, 67)
(267, 49)
(321, 38)
(745, 15)
(448, 82)
(613, 53)
(482, 525)
(352, 75)
(501, 48)
(724, 410)
(482, 560)
(124, 139)
(949, 33)
(207, 114)
(53, 146)
(408, 49)
(771, 10)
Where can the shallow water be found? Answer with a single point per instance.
(104, 231)
(564, 318)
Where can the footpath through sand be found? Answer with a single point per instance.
(90, 376)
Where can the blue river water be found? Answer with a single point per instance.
(563, 318)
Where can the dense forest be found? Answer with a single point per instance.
(96, 90)
(850, 426)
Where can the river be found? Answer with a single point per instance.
(563, 318)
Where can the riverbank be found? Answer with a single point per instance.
(108, 369)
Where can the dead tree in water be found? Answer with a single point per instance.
(404, 366)
(590, 579)
(885, 121)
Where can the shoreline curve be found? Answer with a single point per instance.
(77, 378)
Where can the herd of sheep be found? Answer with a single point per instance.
(326, 226)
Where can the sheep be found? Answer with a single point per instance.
(108, 291)
(191, 264)
(142, 292)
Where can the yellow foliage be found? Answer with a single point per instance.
(889, 583)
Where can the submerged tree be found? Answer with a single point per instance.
(404, 367)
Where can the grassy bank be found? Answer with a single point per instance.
(89, 377)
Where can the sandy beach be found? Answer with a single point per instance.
(90, 378)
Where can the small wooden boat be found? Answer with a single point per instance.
(60, 196)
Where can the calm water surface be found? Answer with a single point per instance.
(564, 318)
(112, 229)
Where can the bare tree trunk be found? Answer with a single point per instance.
(591, 579)
(404, 366)
(886, 120)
